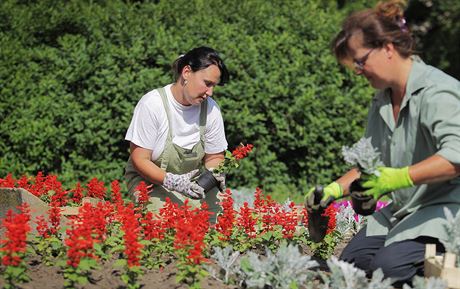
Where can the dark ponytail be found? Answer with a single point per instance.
(200, 58)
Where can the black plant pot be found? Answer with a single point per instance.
(362, 204)
(207, 181)
(317, 223)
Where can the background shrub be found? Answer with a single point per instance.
(72, 71)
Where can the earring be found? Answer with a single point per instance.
(185, 82)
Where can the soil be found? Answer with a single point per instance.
(108, 276)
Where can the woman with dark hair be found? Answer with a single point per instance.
(414, 123)
(177, 129)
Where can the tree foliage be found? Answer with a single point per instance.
(72, 71)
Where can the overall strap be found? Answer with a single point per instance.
(203, 118)
(168, 144)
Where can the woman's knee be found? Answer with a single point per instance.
(387, 263)
(396, 265)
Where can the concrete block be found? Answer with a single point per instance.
(11, 198)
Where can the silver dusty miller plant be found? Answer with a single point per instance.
(287, 268)
(426, 283)
(242, 195)
(228, 261)
(363, 155)
(346, 276)
(348, 222)
(452, 244)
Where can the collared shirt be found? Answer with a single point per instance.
(428, 124)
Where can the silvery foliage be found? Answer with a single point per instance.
(227, 260)
(242, 195)
(285, 268)
(348, 222)
(285, 207)
(363, 155)
(346, 276)
(428, 283)
(452, 244)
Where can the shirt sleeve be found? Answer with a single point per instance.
(441, 117)
(216, 141)
(143, 129)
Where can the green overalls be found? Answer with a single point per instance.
(177, 160)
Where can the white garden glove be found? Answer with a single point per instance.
(184, 185)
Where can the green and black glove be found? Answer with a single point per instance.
(330, 193)
(390, 179)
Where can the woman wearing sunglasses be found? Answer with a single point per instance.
(414, 122)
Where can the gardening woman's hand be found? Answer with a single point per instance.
(220, 177)
(329, 194)
(184, 185)
(389, 179)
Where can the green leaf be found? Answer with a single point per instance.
(120, 263)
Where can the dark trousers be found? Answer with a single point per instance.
(400, 261)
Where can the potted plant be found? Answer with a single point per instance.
(232, 160)
(366, 158)
(317, 219)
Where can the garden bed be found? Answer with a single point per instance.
(114, 243)
(108, 276)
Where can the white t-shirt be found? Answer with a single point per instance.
(149, 125)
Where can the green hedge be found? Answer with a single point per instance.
(71, 73)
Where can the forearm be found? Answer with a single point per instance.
(144, 166)
(346, 180)
(213, 160)
(149, 171)
(433, 169)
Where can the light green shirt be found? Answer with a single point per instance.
(428, 124)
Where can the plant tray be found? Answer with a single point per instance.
(442, 267)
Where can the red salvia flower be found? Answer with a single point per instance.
(23, 182)
(55, 219)
(247, 221)
(116, 193)
(225, 221)
(242, 151)
(191, 230)
(13, 247)
(152, 227)
(96, 189)
(42, 227)
(38, 187)
(59, 198)
(132, 229)
(331, 212)
(258, 199)
(80, 237)
(51, 183)
(231, 159)
(143, 197)
(77, 193)
(289, 220)
(8, 181)
(169, 213)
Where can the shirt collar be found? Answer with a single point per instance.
(416, 79)
(415, 82)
